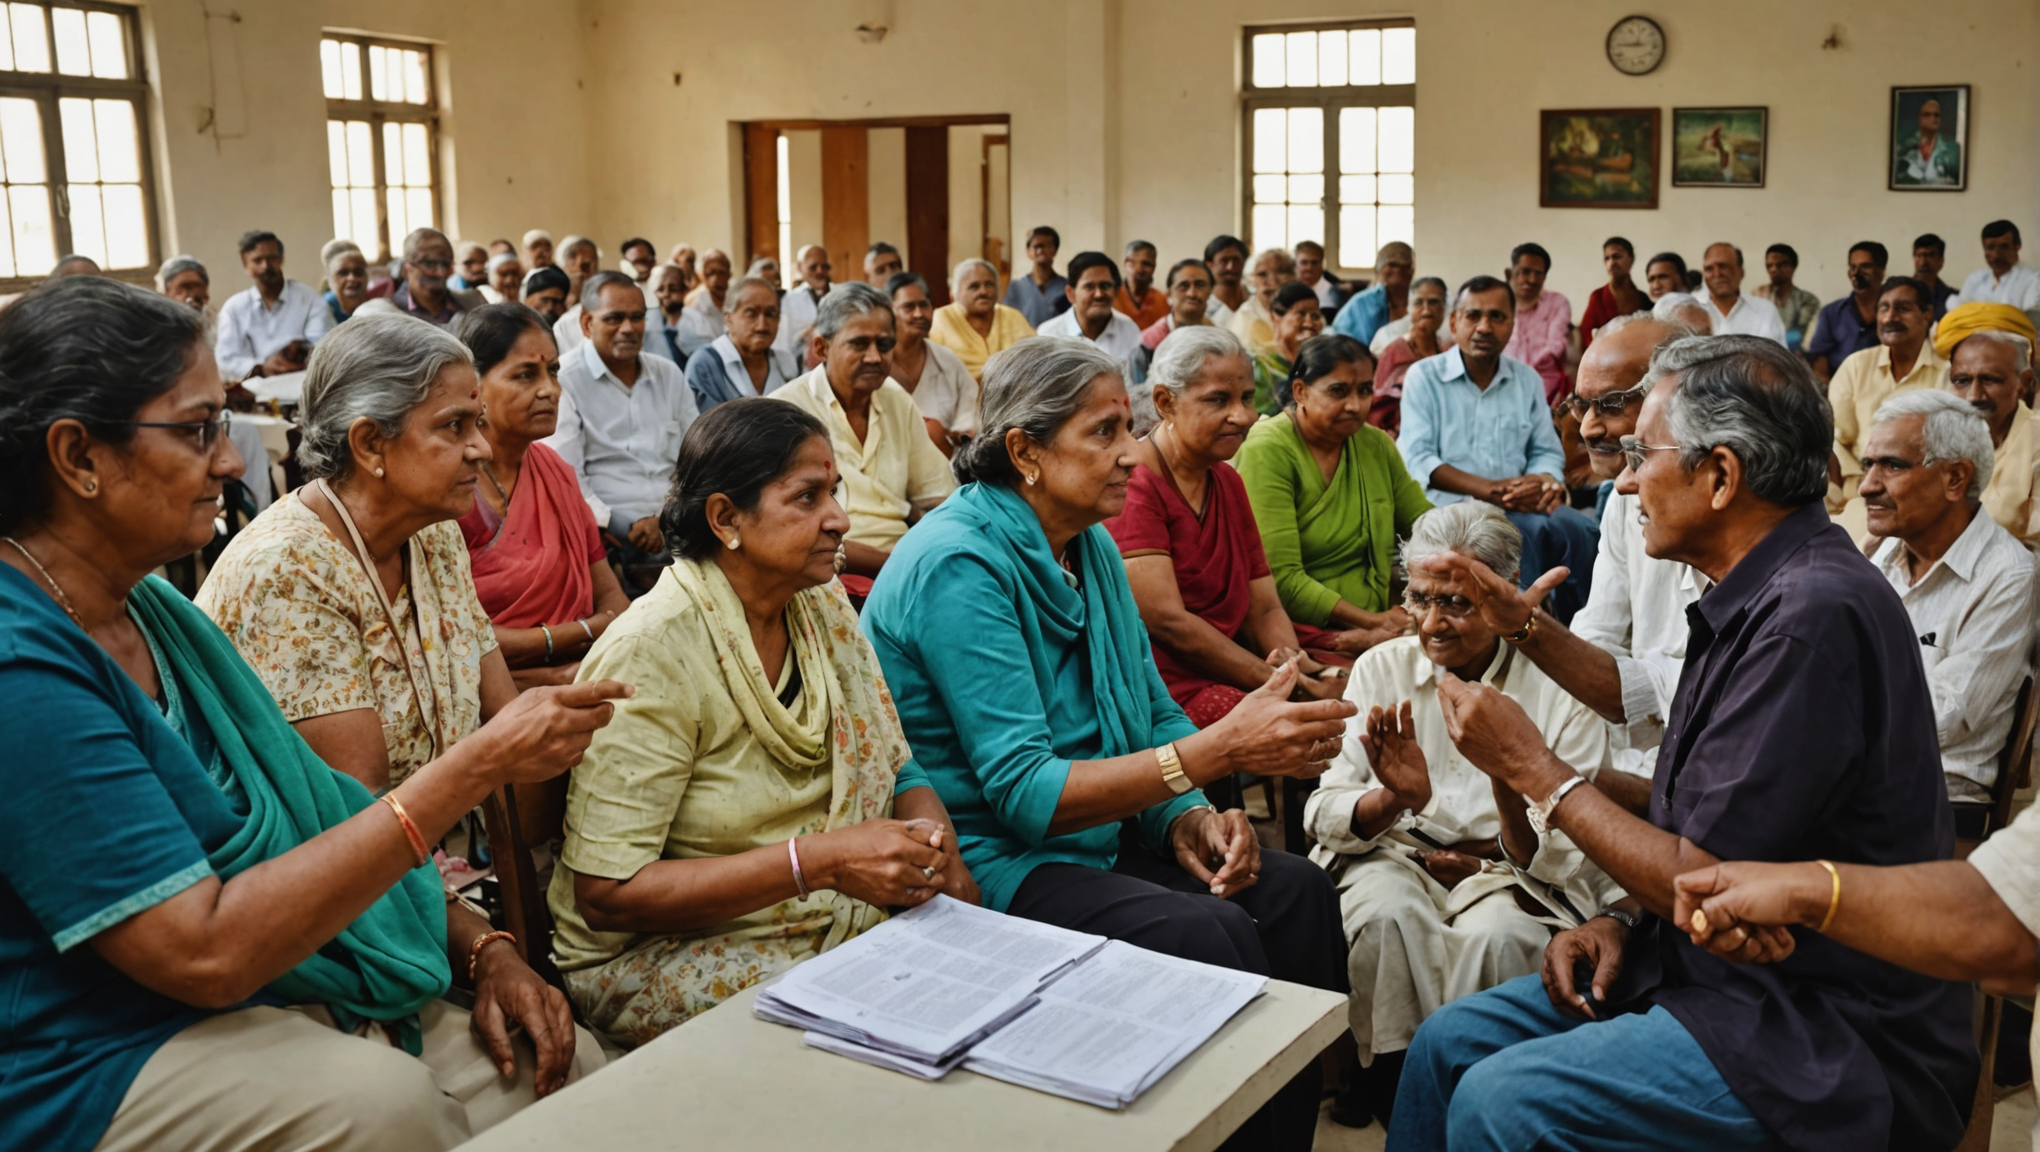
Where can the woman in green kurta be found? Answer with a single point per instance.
(1298, 319)
(734, 820)
(1330, 493)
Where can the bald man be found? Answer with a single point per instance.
(797, 309)
(1729, 312)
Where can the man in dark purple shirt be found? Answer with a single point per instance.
(1802, 730)
(1849, 325)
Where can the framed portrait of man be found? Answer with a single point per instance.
(1930, 138)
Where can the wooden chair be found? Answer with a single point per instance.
(516, 819)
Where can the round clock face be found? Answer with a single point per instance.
(1636, 45)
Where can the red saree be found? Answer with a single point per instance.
(532, 566)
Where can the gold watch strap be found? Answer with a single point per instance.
(1172, 769)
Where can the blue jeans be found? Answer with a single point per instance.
(1563, 536)
(1504, 1071)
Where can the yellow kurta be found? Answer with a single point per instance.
(1254, 326)
(2013, 479)
(952, 330)
(893, 472)
(1863, 382)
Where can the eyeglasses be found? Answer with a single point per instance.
(434, 265)
(207, 432)
(1420, 605)
(1613, 404)
(1634, 451)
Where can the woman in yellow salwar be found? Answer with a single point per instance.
(975, 325)
(756, 802)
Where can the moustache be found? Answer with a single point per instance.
(1860, 281)
(1881, 503)
(1893, 329)
(1604, 445)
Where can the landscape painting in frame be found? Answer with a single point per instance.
(1598, 158)
(1719, 147)
(1929, 143)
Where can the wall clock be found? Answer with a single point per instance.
(1636, 45)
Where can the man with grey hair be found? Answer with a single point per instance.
(892, 473)
(882, 262)
(622, 414)
(185, 280)
(538, 249)
(1965, 583)
(1252, 321)
(701, 321)
(1444, 888)
(1682, 309)
(1992, 369)
(428, 262)
(797, 310)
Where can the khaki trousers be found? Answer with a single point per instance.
(283, 1080)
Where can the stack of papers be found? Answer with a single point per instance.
(1035, 1005)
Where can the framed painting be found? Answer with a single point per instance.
(1719, 147)
(1598, 158)
(1928, 150)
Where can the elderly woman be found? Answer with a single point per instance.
(1193, 555)
(742, 361)
(1429, 854)
(503, 279)
(539, 566)
(352, 597)
(184, 279)
(1296, 317)
(1331, 495)
(942, 388)
(207, 936)
(346, 280)
(1007, 629)
(974, 325)
(1427, 314)
(760, 761)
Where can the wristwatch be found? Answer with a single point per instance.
(1540, 811)
(1172, 769)
(1618, 915)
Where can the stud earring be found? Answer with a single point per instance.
(91, 487)
(378, 472)
(1030, 481)
(735, 542)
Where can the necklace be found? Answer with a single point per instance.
(56, 589)
(493, 483)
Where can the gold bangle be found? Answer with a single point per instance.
(1522, 635)
(1172, 769)
(1834, 897)
(411, 834)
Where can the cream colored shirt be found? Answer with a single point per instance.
(895, 473)
(1252, 324)
(2014, 478)
(1865, 381)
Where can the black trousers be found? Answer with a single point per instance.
(1286, 927)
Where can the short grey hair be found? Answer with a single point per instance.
(729, 300)
(1283, 258)
(962, 266)
(417, 239)
(1951, 430)
(591, 289)
(1671, 306)
(335, 247)
(463, 247)
(757, 271)
(2022, 348)
(1752, 396)
(1641, 316)
(1036, 386)
(177, 266)
(846, 302)
(1472, 528)
(536, 234)
(573, 242)
(1183, 353)
(378, 366)
(502, 258)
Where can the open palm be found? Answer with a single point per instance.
(1393, 753)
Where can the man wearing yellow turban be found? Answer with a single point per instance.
(1990, 352)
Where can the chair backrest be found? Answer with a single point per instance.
(517, 818)
(2015, 763)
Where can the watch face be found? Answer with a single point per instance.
(1636, 45)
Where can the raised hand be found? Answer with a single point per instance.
(1502, 607)
(1390, 738)
(544, 731)
(1496, 736)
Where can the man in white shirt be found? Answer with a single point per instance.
(1093, 314)
(1729, 312)
(702, 320)
(1965, 582)
(640, 260)
(2002, 280)
(797, 309)
(270, 328)
(666, 299)
(622, 414)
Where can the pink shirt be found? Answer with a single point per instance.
(1539, 341)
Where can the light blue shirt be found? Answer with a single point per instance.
(1500, 432)
(1363, 315)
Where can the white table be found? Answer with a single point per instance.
(284, 387)
(729, 1081)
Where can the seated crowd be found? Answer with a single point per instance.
(1633, 783)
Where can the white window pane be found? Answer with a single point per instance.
(399, 227)
(419, 207)
(1306, 189)
(1270, 129)
(21, 138)
(35, 241)
(350, 71)
(1301, 49)
(1398, 189)
(1270, 227)
(81, 151)
(31, 54)
(1331, 57)
(1268, 189)
(393, 154)
(1364, 57)
(360, 154)
(785, 190)
(1306, 139)
(127, 226)
(343, 224)
(378, 69)
(74, 54)
(417, 155)
(1268, 71)
(1399, 224)
(1399, 56)
(787, 269)
(1398, 139)
(1356, 237)
(108, 34)
(6, 65)
(88, 235)
(120, 155)
(417, 80)
(329, 67)
(1357, 190)
(7, 267)
(336, 159)
(1356, 140)
(1306, 222)
(364, 233)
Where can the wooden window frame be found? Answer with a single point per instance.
(380, 112)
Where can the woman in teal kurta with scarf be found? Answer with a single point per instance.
(1330, 493)
(1026, 687)
(206, 932)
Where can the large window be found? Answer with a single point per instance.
(73, 162)
(382, 127)
(1330, 127)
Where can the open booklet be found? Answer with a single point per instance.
(1029, 1003)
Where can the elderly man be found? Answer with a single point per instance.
(538, 249)
(1475, 426)
(892, 473)
(622, 414)
(1990, 365)
(1930, 255)
(1543, 319)
(185, 280)
(1800, 730)
(1684, 310)
(502, 277)
(1093, 283)
(2002, 279)
(1900, 361)
(1443, 887)
(579, 258)
(1039, 295)
(702, 320)
(1729, 312)
(882, 262)
(665, 311)
(1226, 256)
(270, 328)
(1928, 156)
(742, 361)
(1966, 584)
(640, 259)
(1310, 268)
(472, 265)
(428, 259)
(544, 291)
(1796, 306)
(1138, 300)
(1388, 302)
(1849, 325)
(797, 310)
(1189, 287)
(1253, 322)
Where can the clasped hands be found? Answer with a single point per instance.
(1533, 493)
